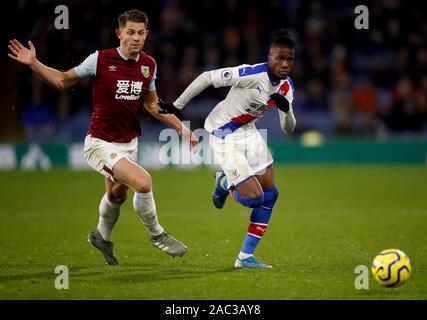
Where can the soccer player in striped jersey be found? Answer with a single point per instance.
(246, 162)
(123, 80)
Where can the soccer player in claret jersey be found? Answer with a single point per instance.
(123, 81)
(247, 165)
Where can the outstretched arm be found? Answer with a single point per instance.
(56, 79)
(196, 87)
(150, 104)
(224, 77)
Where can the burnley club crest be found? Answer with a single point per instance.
(145, 71)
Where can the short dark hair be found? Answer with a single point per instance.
(282, 37)
(133, 15)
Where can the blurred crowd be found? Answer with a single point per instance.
(348, 82)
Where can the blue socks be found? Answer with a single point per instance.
(251, 202)
(259, 218)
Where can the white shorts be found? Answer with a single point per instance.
(102, 155)
(241, 154)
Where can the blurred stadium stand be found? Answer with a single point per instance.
(349, 83)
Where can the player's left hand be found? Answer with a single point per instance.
(280, 101)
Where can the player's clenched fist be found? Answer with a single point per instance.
(279, 101)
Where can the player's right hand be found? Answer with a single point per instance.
(167, 107)
(22, 54)
(280, 102)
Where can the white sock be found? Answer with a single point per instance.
(108, 215)
(144, 205)
(243, 256)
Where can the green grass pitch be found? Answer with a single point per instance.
(327, 221)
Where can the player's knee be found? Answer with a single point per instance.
(117, 193)
(251, 192)
(117, 197)
(253, 202)
(143, 184)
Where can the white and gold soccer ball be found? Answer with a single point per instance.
(391, 268)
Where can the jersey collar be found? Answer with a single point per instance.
(123, 55)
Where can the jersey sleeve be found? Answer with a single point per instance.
(240, 76)
(87, 68)
(152, 85)
(224, 77)
(287, 121)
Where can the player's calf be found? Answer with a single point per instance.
(145, 207)
(259, 220)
